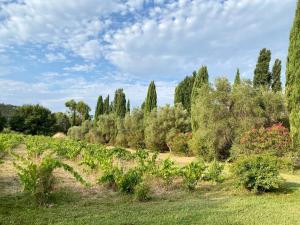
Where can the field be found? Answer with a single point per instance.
(73, 203)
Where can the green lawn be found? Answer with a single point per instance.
(219, 205)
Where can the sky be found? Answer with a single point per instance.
(55, 50)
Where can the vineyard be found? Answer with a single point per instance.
(125, 179)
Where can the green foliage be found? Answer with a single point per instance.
(183, 92)
(262, 76)
(36, 174)
(106, 108)
(192, 173)
(167, 171)
(128, 106)
(127, 181)
(8, 141)
(72, 105)
(83, 110)
(293, 78)
(99, 108)
(33, 119)
(79, 112)
(214, 172)
(7, 110)
(274, 140)
(258, 173)
(62, 122)
(151, 99)
(107, 128)
(119, 104)
(237, 79)
(3, 122)
(276, 76)
(178, 143)
(141, 192)
(200, 80)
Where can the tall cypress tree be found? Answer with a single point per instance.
(120, 103)
(276, 76)
(106, 106)
(128, 106)
(99, 108)
(293, 78)
(262, 75)
(237, 80)
(151, 99)
(183, 91)
(201, 78)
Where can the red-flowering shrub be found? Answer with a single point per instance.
(274, 140)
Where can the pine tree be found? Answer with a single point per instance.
(293, 78)
(120, 103)
(201, 78)
(262, 75)
(237, 80)
(276, 76)
(99, 108)
(151, 99)
(183, 92)
(106, 107)
(128, 106)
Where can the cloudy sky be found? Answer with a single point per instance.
(55, 50)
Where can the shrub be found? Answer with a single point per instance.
(258, 173)
(178, 143)
(141, 192)
(192, 173)
(2, 122)
(36, 175)
(274, 140)
(214, 172)
(127, 181)
(167, 171)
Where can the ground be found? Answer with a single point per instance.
(209, 204)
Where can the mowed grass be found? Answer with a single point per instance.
(209, 204)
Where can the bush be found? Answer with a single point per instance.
(192, 173)
(2, 122)
(127, 181)
(33, 119)
(258, 173)
(178, 143)
(214, 172)
(274, 140)
(167, 171)
(141, 192)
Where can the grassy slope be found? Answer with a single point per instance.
(210, 204)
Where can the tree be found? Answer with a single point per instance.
(262, 76)
(120, 103)
(106, 107)
(33, 119)
(128, 106)
(200, 80)
(72, 105)
(276, 76)
(83, 110)
(237, 80)
(2, 122)
(62, 122)
(293, 78)
(151, 99)
(183, 92)
(99, 108)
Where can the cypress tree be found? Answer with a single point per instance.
(120, 103)
(276, 76)
(262, 76)
(106, 107)
(183, 92)
(200, 79)
(99, 108)
(293, 78)
(128, 106)
(237, 80)
(151, 99)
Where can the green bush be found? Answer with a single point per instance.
(141, 192)
(127, 181)
(214, 172)
(178, 143)
(258, 173)
(167, 171)
(192, 173)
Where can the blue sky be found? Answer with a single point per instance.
(54, 50)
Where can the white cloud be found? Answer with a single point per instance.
(51, 57)
(81, 68)
(178, 38)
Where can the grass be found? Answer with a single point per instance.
(209, 204)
